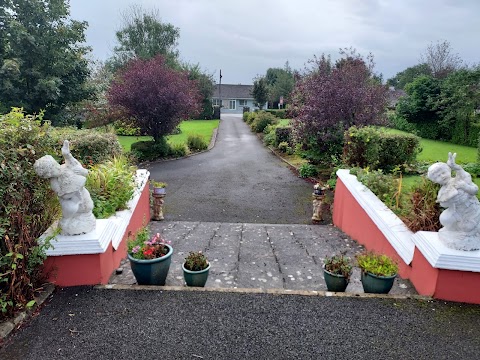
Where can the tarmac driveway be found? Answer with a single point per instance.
(238, 181)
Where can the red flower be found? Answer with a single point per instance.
(148, 252)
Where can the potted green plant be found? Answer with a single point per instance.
(378, 272)
(195, 269)
(159, 187)
(149, 257)
(337, 270)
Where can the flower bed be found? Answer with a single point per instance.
(434, 269)
(91, 258)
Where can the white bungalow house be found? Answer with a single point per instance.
(233, 98)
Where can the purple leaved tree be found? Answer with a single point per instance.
(155, 95)
(331, 97)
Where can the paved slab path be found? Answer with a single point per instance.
(266, 256)
(239, 180)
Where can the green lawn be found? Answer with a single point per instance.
(433, 150)
(201, 127)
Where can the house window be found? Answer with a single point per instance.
(216, 102)
(232, 104)
(242, 102)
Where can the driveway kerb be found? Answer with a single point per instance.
(275, 291)
(6, 327)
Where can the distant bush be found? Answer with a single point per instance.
(308, 170)
(283, 134)
(269, 137)
(196, 142)
(262, 119)
(150, 150)
(179, 150)
(125, 128)
(376, 149)
(283, 147)
(280, 113)
(91, 147)
(249, 117)
(399, 123)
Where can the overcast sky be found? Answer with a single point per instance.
(244, 38)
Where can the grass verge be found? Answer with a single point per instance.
(204, 128)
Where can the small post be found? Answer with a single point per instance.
(317, 197)
(158, 206)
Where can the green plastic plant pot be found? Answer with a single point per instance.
(336, 283)
(151, 272)
(195, 278)
(377, 284)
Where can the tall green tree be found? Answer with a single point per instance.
(402, 78)
(457, 106)
(205, 85)
(143, 36)
(260, 92)
(42, 56)
(419, 107)
(280, 83)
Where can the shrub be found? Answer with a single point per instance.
(196, 142)
(262, 120)
(373, 148)
(283, 134)
(179, 150)
(176, 131)
(283, 147)
(269, 137)
(150, 150)
(308, 170)
(280, 113)
(249, 117)
(397, 150)
(28, 207)
(428, 130)
(385, 186)
(111, 186)
(399, 123)
(472, 168)
(362, 147)
(125, 128)
(90, 147)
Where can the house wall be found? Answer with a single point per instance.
(238, 108)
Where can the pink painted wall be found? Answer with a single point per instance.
(452, 285)
(349, 216)
(93, 269)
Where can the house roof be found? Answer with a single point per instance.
(393, 96)
(231, 91)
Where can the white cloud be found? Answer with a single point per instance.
(244, 38)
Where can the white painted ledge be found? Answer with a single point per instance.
(442, 257)
(395, 231)
(106, 231)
